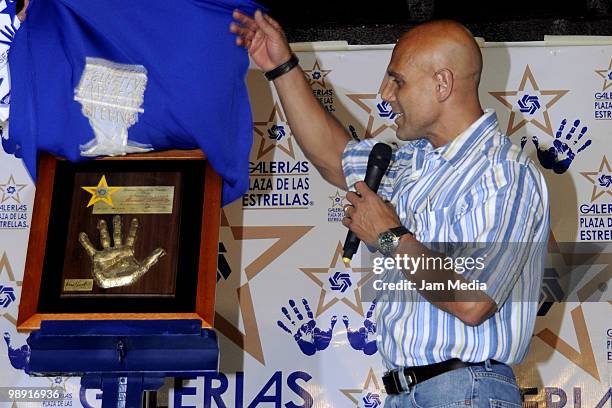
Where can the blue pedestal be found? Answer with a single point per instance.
(122, 357)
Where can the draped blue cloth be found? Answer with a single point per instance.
(195, 94)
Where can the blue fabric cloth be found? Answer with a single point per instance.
(195, 93)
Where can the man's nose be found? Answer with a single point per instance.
(388, 91)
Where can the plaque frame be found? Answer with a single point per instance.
(30, 318)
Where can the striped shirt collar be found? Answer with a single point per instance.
(470, 141)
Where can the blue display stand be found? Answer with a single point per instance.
(122, 357)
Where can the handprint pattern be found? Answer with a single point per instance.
(307, 335)
(560, 155)
(363, 338)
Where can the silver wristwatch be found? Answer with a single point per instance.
(388, 241)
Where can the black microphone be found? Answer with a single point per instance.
(378, 162)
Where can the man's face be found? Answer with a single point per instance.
(410, 91)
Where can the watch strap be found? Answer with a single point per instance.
(399, 231)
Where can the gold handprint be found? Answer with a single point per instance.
(115, 266)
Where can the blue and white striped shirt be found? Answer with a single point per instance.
(477, 188)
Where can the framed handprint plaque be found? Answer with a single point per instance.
(125, 237)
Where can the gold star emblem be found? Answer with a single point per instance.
(101, 192)
(601, 179)
(338, 200)
(10, 190)
(11, 282)
(529, 104)
(371, 391)
(316, 75)
(606, 74)
(275, 132)
(227, 321)
(341, 290)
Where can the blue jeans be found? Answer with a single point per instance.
(486, 386)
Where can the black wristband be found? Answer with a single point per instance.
(282, 68)
(399, 231)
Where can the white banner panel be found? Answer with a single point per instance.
(294, 331)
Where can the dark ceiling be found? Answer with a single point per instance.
(383, 21)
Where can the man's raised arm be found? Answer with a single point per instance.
(320, 136)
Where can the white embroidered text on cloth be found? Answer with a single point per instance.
(111, 96)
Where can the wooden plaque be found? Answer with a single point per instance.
(131, 237)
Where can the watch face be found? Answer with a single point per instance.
(386, 243)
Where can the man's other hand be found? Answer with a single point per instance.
(263, 38)
(368, 215)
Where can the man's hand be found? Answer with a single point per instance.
(263, 38)
(320, 136)
(368, 215)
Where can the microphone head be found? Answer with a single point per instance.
(380, 156)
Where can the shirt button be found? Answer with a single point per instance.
(460, 211)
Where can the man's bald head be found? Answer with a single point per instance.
(432, 81)
(442, 44)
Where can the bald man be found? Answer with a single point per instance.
(457, 181)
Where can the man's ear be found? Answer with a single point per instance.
(444, 84)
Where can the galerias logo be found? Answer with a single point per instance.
(529, 104)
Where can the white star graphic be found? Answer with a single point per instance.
(316, 75)
(338, 200)
(380, 115)
(10, 190)
(606, 74)
(529, 104)
(338, 283)
(372, 392)
(274, 132)
(601, 179)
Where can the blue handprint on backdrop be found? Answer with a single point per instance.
(8, 31)
(560, 155)
(17, 356)
(307, 335)
(364, 338)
